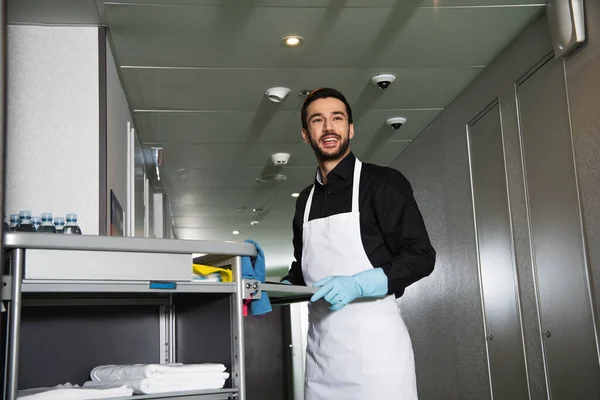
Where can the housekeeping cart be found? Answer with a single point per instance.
(74, 302)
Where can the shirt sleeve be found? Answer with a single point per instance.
(404, 232)
(295, 276)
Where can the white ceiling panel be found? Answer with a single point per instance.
(238, 36)
(195, 72)
(229, 223)
(47, 12)
(228, 209)
(238, 156)
(334, 3)
(249, 159)
(261, 233)
(249, 126)
(216, 178)
(243, 90)
(212, 196)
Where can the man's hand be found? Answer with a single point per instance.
(337, 291)
(342, 290)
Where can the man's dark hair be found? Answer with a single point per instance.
(323, 93)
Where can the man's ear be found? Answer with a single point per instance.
(305, 135)
(351, 130)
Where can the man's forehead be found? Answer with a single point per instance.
(326, 105)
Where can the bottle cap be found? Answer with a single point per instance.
(25, 214)
(72, 217)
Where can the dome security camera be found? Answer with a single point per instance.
(396, 122)
(280, 159)
(277, 94)
(383, 80)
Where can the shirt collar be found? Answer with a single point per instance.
(344, 169)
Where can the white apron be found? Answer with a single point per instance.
(363, 351)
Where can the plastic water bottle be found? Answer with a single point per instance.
(14, 221)
(71, 228)
(36, 222)
(25, 222)
(59, 224)
(47, 225)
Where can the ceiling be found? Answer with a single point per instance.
(195, 72)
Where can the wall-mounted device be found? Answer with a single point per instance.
(567, 25)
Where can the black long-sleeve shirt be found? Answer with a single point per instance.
(391, 226)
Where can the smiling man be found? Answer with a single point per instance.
(360, 238)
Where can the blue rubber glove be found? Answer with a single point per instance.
(286, 282)
(342, 290)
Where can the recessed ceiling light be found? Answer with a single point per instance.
(272, 178)
(304, 92)
(253, 223)
(236, 232)
(292, 41)
(295, 194)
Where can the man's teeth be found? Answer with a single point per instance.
(330, 140)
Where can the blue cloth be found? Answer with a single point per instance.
(254, 268)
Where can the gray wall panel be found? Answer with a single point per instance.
(443, 312)
(584, 98)
(53, 122)
(497, 268)
(556, 235)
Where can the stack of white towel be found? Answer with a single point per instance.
(73, 392)
(159, 378)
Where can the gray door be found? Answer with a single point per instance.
(558, 251)
(502, 314)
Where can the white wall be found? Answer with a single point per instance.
(158, 211)
(117, 117)
(52, 160)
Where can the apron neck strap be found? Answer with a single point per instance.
(308, 204)
(355, 185)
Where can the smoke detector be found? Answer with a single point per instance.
(277, 94)
(280, 159)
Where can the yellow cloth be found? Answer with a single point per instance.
(226, 274)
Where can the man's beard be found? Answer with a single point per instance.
(321, 156)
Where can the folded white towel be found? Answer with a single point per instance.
(142, 371)
(199, 376)
(159, 385)
(74, 392)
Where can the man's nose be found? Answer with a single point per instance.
(327, 125)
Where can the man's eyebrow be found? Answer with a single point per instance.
(320, 114)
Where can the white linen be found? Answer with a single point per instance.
(74, 392)
(165, 384)
(142, 371)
